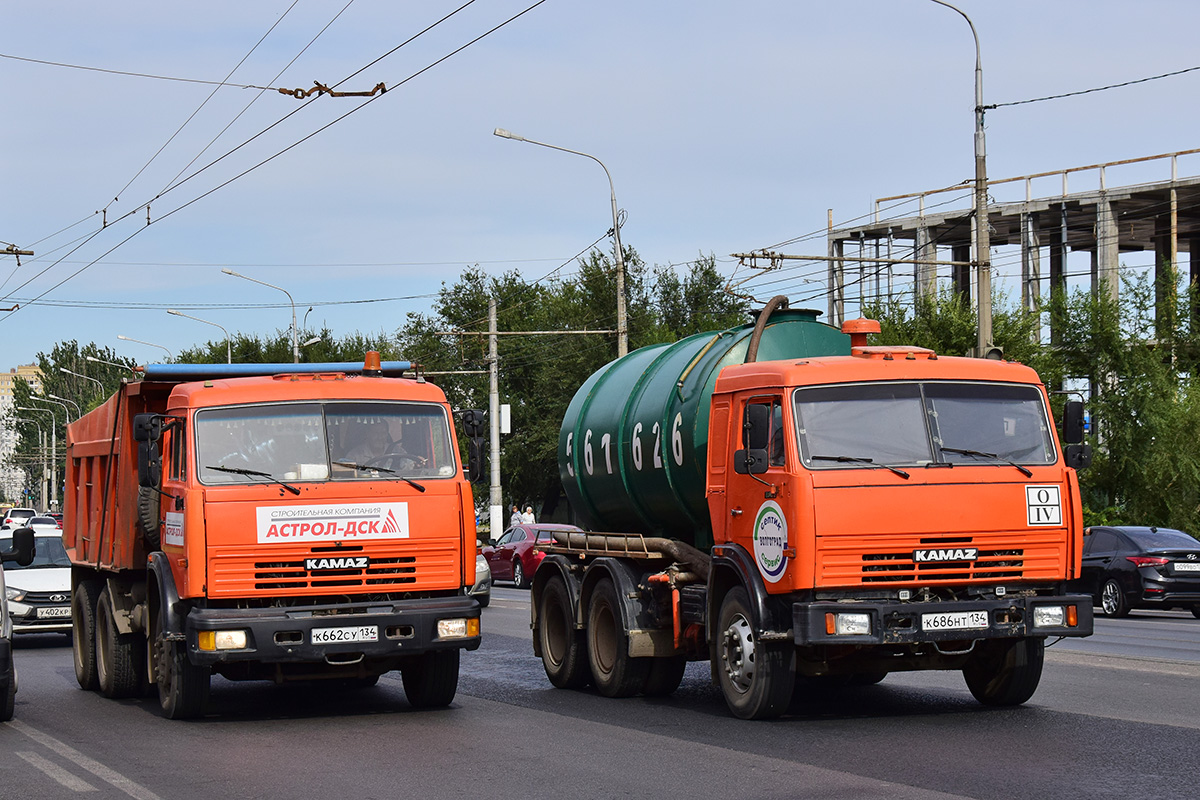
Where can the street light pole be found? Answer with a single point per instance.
(42, 447)
(53, 454)
(78, 411)
(66, 371)
(295, 336)
(170, 355)
(95, 360)
(983, 245)
(622, 324)
(228, 345)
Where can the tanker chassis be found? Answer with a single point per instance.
(790, 504)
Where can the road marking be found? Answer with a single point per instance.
(58, 773)
(134, 790)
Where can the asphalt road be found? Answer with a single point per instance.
(1116, 716)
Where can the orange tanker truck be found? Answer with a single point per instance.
(784, 501)
(269, 522)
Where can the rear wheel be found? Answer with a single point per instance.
(614, 672)
(519, 574)
(83, 632)
(119, 657)
(564, 649)
(431, 680)
(1005, 672)
(1112, 599)
(666, 673)
(756, 677)
(1196, 612)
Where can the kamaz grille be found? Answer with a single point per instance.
(1006, 556)
(400, 567)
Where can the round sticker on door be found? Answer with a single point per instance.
(770, 541)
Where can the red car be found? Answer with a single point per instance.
(514, 556)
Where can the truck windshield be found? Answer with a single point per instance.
(915, 424)
(323, 441)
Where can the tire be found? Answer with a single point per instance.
(666, 673)
(867, 678)
(519, 574)
(147, 507)
(1004, 672)
(431, 680)
(484, 600)
(182, 686)
(83, 632)
(1112, 599)
(119, 657)
(564, 649)
(1196, 612)
(757, 678)
(614, 672)
(8, 704)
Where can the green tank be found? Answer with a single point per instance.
(633, 447)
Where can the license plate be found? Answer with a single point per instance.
(358, 633)
(58, 611)
(1186, 566)
(955, 621)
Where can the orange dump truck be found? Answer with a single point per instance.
(269, 522)
(784, 501)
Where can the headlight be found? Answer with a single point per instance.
(1049, 616)
(457, 628)
(221, 640)
(842, 624)
(13, 593)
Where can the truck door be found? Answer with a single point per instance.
(757, 500)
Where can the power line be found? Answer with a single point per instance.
(1097, 89)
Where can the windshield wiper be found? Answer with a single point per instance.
(980, 454)
(870, 462)
(256, 474)
(365, 467)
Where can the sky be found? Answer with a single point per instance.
(726, 127)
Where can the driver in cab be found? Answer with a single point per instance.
(375, 449)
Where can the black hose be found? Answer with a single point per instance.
(778, 301)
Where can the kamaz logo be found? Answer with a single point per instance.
(346, 562)
(946, 554)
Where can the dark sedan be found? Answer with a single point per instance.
(1134, 567)
(515, 556)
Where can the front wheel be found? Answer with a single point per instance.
(431, 680)
(8, 703)
(1196, 612)
(182, 686)
(1112, 599)
(756, 677)
(1005, 672)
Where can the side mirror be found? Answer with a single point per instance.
(474, 422)
(476, 458)
(23, 548)
(750, 462)
(147, 427)
(1073, 422)
(756, 426)
(1078, 456)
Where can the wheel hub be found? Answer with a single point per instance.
(737, 657)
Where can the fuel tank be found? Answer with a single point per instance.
(632, 451)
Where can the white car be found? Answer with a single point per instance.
(16, 517)
(39, 595)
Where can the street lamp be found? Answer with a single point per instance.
(983, 245)
(95, 360)
(42, 447)
(53, 451)
(170, 355)
(78, 412)
(66, 371)
(228, 346)
(295, 338)
(622, 326)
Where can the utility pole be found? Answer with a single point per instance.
(496, 518)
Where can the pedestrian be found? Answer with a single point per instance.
(515, 519)
(527, 517)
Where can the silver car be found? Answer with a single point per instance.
(482, 590)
